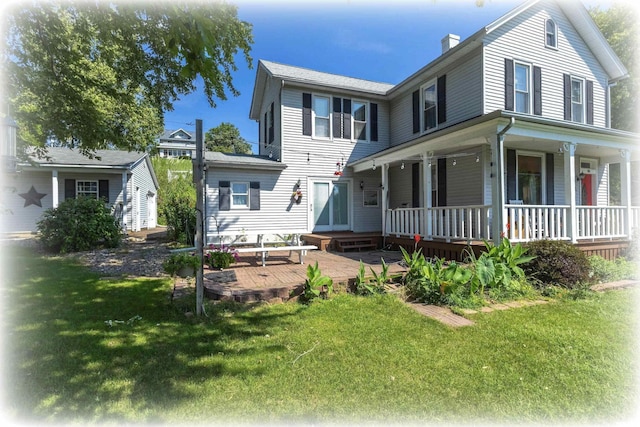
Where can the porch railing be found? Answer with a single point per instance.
(522, 222)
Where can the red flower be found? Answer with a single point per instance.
(416, 238)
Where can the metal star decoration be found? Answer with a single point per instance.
(32, 197)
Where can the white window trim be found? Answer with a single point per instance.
(543, 173)
(529, 87)
(95, 181)
(555, 33)
(433, 82)
(232, 203)
(313, 117)
(583, 103)
(367, 115)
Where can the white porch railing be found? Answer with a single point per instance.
(522, 222)
(534, 222)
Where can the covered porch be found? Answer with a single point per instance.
(511, 175)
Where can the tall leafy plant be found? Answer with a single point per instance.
(316, 285)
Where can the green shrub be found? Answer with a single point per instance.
(78, 224)
(558, 263)
(179, 210)
(603, 270)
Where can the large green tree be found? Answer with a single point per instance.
(226, 138)
(619, 25)
(100, 74)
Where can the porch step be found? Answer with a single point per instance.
(359, 243)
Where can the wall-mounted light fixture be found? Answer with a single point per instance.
(362, 185)
(580, 177)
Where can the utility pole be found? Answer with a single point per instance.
(198, 176)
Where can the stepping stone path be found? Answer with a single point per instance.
(446, 316)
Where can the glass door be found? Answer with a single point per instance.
(330, 206)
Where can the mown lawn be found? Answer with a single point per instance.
(345, 360)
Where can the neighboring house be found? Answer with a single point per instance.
(177, 143)
(507, 133)
(125, 180)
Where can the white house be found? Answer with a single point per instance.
(506, 133)
(125, 180)
(177, 143)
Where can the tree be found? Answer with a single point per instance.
(100, 74)
(226, 139)
(619, 25)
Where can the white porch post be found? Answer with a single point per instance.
(625, 187)
(497, 189)
(385, 189)
(570, 189)
(428, 191)
(54, 187)
(125, 196)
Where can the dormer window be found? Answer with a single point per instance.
(551, 34)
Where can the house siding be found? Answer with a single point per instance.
(461, 190)
(144, 181)
(463, 98)
(523, 39)
(272, 95)
(15, 217)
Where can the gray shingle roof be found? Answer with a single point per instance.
(251, 161)
(71, 157)
(305, 75)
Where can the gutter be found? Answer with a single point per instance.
(512, 121)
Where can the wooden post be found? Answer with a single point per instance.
(198, 176)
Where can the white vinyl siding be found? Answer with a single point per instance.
(401, 193)
(464, 181)
(522, 39)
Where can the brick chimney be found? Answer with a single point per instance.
(449, 41)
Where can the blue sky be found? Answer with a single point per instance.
(373, 40)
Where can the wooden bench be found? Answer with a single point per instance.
(263, 251)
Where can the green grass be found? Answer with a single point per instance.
(347, 359)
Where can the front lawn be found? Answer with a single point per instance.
(83, 349)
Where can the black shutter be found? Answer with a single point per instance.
(589, 96)
(254, 196)
(537, 91)
(508, 85)
(567, 96)
(415, 185)
(549, 179)
(374, 121)
(416, 111)
(271, 136)
(266, 132)
(69, 189)
(346, 119)
(306, 114)
(442, 99)
(103, 190)
(224, 196)
(511, 175)
(442, 182)
(337, 119)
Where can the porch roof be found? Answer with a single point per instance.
(547, 133)
(242, 161)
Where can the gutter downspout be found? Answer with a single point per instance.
(498, 184)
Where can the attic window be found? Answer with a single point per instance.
(551, 34)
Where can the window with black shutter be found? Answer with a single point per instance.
(306, 114)
(374, 121)
(508, 85)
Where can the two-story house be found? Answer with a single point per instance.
(506, 133)
(177, 143)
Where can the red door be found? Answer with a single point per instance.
(587, 190)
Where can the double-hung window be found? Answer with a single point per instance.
(359, 120)
(522, 88)
(87, 189)
(551, 35)
(429, 106)
(322, 124)
(240, 194)
(577, 100)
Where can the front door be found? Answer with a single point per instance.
(330, 205)
(587, 190)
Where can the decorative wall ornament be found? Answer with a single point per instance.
(32, 197)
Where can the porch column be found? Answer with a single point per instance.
(125, 196)
(497, 189)
(625, 189)
(570, 189)
(428, 191)
(54, 187)
(385, 186)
